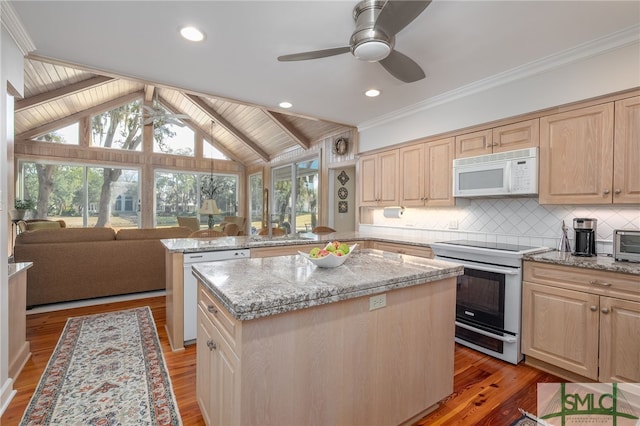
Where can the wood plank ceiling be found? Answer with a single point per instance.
(57, 94)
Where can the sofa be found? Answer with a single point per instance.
(84, 263)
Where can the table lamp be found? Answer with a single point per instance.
(209, 207)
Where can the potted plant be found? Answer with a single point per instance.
(20, 208)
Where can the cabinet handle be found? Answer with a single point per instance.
(604, 310)
(618, 191)
(606, 191)
(602, 283)
(212, 345)
(212, 309)
(593, 308)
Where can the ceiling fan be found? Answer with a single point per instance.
(157, 112)
(377, 23)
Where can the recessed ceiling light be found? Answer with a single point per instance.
(285, 104)
(372, 93)
(192, 33)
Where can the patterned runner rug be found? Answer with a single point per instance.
(107, 369)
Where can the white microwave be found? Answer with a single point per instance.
(501, 174)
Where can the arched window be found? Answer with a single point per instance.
(118, 206)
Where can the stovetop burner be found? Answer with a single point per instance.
(493, 246)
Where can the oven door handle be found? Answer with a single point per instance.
(482, 267)
(506, 339)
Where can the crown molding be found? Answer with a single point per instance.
(599, 46)
(11, 21)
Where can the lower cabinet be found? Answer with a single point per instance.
(582, 321)
(217, 374)
(403, 249)
(338, 363)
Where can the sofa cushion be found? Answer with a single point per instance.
(153, 233)
(42, 225)
(66, 235)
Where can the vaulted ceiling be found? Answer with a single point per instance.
(56, 95)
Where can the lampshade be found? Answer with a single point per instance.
(209, 207)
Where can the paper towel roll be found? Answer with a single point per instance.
(393, 212)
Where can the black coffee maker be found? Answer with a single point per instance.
(585, 235)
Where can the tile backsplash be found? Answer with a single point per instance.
(511, 220)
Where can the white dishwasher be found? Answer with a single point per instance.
(191, 285)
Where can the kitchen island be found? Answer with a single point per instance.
(281, 341)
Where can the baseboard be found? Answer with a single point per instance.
(6, 395)
(91, 302)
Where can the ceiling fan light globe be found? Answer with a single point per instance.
(372, 51)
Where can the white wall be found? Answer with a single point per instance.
(537, 87)
(11, 72)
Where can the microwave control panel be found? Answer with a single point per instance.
(524, 176)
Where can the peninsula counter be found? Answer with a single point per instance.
(281, 341)
(180, 252)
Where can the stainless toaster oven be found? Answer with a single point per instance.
(626, 244)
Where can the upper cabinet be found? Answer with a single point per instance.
(626, 151)
(524, 134)
(426, 174)
(379, 183)
(580, 160)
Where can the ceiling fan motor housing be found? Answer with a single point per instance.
(367, 42)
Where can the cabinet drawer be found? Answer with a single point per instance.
(592, 281)
(229, 327)
(404, 249)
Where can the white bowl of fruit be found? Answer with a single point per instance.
(332, 255)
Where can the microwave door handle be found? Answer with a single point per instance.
(506, 339)
(507, 172)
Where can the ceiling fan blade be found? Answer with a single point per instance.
(314, 54)
(402, 67)
(395, 15)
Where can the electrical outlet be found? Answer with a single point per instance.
(453, 224)
(378, 301)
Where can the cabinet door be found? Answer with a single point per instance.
(217, 369)
(439, 173)
(619, 341)
(576, 156)
(204, 364)
(626, 178)
(525, 134)
(368, 175)
(388, 181)
(476, 143)
(561, 327)
(412, 175)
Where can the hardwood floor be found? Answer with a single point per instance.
(486, 391)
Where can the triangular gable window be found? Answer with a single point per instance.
(210, 151)
(119, 128)
(69, 135)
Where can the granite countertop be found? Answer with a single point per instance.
(603, 263)
(194, 245)
(255, 288)
(15, 268)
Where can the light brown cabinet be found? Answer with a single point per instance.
(379, 179)
(582, 321)
(217, 367)
(582, 159)
(403, 249)
(426, 174)
(524, 134)
(626, 151)
(336, 363)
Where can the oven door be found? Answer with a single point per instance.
(488, 309)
